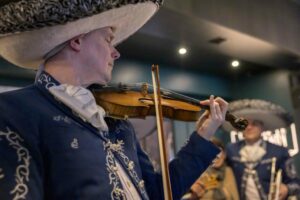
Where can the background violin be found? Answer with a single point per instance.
(137, 101)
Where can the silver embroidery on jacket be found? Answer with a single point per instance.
(117, 192)
(27, 15)
(44, 78)
(61, 118)
(110, 163)
(251, 172)
(22, 171)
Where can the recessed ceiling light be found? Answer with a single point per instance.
(182, 51)
(235, 63)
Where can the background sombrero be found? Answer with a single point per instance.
(273, 116)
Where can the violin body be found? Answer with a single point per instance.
(123, 103)
(137, 101)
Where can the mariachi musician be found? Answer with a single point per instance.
(251, 159)
(55, 141)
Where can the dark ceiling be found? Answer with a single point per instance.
(211, 47)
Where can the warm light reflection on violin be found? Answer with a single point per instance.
(137, 101)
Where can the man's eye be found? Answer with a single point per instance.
(109, 40)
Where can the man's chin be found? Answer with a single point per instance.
(107, 80)
(252, 139)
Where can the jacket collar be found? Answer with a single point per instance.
(43, 82)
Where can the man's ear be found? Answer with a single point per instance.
(76, 43)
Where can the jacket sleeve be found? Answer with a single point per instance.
(191, 161)
(289, 174)
(19, 174)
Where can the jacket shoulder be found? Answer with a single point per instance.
(20, 100)
(276, 148)
(18, 92)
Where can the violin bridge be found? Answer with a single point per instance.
(144, 89)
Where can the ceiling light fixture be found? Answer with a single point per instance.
(182, 51)
(235, 63)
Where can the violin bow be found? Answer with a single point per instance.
(161, 140)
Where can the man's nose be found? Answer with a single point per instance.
(115, 54)
(249, 126)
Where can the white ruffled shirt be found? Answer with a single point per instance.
(82, 102)
(252, 153)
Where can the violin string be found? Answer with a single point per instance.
(179, 96)
(168, 93)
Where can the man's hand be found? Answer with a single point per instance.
(210, 120)
(198, 189)
(283, 191)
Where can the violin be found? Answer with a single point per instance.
(137, 101)
(141, 100)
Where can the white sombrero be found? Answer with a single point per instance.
(29, 29)
(273, 116)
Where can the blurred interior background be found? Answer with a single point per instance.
(229, 48)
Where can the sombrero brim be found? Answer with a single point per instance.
(273, 116)
(271, 121)
(19, 49)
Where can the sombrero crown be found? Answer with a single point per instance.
(273, 116)
(29, 29)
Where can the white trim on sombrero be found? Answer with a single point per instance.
(19, 49)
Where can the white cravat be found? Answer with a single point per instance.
(252, 153)
(82, 102)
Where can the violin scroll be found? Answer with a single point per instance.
(238, 123)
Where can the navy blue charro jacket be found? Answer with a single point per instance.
(47, 152)
(263, 169)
